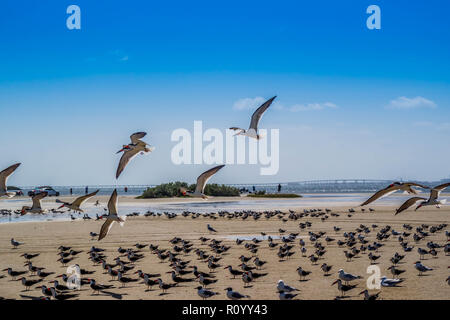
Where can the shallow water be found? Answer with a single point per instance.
(307, 201)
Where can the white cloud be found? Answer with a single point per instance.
(411, 103)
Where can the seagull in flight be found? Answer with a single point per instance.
(252, 131)
(201, 183)
(405, 186)
(4, 175)
(112, 217)
(131, 150)
(432, 200)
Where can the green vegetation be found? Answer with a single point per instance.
(263, 194)
(172, 189)
(12, 188)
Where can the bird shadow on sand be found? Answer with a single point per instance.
(114, 295)
(342, 297)
(164, 293)
(303, 280)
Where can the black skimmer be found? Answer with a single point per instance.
(29, 283)
(343, 287)
(36, 208)
(62, 296)
(112, 217)
(302, 273)
(178, 279)
(41, 274)
(205, 282)
(205, 294)
(405, 186)
(29, 256)
(149, 282)
(58, 286)
(234, 295)
(202, 180)
(4, 175)
(124, 280)
(370, 297)
(165, 286)
(259, 263)
(252, 131)
(96, 287)
(132, 150)
(210, 229)
(395, 272)
(326, 268)
(234, 272)
(432, 200)
(76, 204)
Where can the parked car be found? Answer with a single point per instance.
(49, 190)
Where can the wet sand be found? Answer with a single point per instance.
(45, 237)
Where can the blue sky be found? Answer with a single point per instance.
(70, 98)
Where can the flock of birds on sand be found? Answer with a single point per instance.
(197, 262)
(364, 240)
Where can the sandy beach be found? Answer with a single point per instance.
(45, 237)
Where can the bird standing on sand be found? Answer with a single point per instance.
(405, 186)
(76, 204)
(36, 208)
(347, 276)
(15, 243)
(202, 180)
(131, 150)
(96, 287)
(432, 200)
(281, 286)
(385, 282)
(343, 287)
(210, 229)
(234, 295)
(252, 131)
(205, 294)
(4, 175)
(369, 297)
(421, 268)
(112, 217)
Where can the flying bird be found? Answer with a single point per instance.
(131, 150)
(201, 183)
(36, 208)
(432, 200)
(112, 217)
(252, 131)
(4, 175)
(75, 205)
(405, 186)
